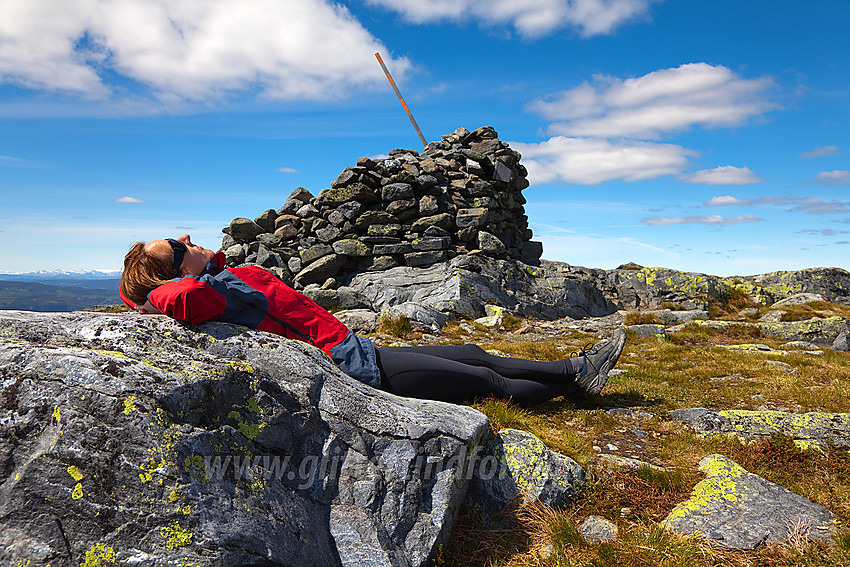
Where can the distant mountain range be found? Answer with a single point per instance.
(59, 290)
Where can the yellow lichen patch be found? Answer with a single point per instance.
(240, 366)
(174, 496)
(56, 415)
(77, 493)
(129, 405)
(185, 510)
(116, 353)
(719, 487)
(75, 473)
(99, 555)
(196, 468)
(175, 536)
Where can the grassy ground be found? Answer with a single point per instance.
(685, 369)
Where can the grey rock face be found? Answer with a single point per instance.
(737, 509)
(468, 283)
(161, 443)
(518, 465)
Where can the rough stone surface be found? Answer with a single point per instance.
(107, 419)
(648, 330)
(450, 186)
(740, 510)
(420, 316)
(595, 529)
(805, 429)
(799, 299)
(468, 283)
(523, 469)
(359, 320)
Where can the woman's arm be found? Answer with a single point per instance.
(188, 299)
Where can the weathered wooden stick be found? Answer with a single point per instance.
(401, 99)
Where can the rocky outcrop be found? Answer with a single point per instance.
(462, 195)
(819, 331)
(468, 283)
(805, 429)
(148, 442)
(833, 284)
(740, 510)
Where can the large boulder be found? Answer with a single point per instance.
(468, 283)
(149, 442)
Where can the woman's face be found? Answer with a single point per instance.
(195, 259)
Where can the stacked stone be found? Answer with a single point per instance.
(462, 195)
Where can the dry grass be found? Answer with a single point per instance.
(686, 369)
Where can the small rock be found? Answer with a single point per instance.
(772, 316)
(596, 529)
(799, 299)
(647, 330)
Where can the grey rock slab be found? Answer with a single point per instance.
(806, 428)
(214, 445)
(518, 466)
(647, 330)
(467, 283)
(740, 510)
(799, 299)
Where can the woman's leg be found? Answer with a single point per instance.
(408, 372)
(557, 371)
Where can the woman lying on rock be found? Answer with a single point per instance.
(189, 283)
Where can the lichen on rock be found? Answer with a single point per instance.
(737, 509)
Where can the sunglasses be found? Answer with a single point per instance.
(179, 251)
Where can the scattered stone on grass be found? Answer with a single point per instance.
(814, 428)
(740, 510)
(596, 529)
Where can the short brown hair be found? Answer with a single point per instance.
(144, 272)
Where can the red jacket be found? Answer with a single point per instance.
(249, 296)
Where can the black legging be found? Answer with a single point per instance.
(461, 373)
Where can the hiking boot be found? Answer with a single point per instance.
(598, 360)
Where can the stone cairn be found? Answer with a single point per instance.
(462, 195)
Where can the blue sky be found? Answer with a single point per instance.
(701, 135)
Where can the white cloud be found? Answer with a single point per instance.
(288, 170)
(726, 200)
(723, 175)
(190, 50)
(706, 219)
(656, 104)
(810, 205)
(587, 161)
(820, 152)
(128, 200)
(837, 177)
(531, 18)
